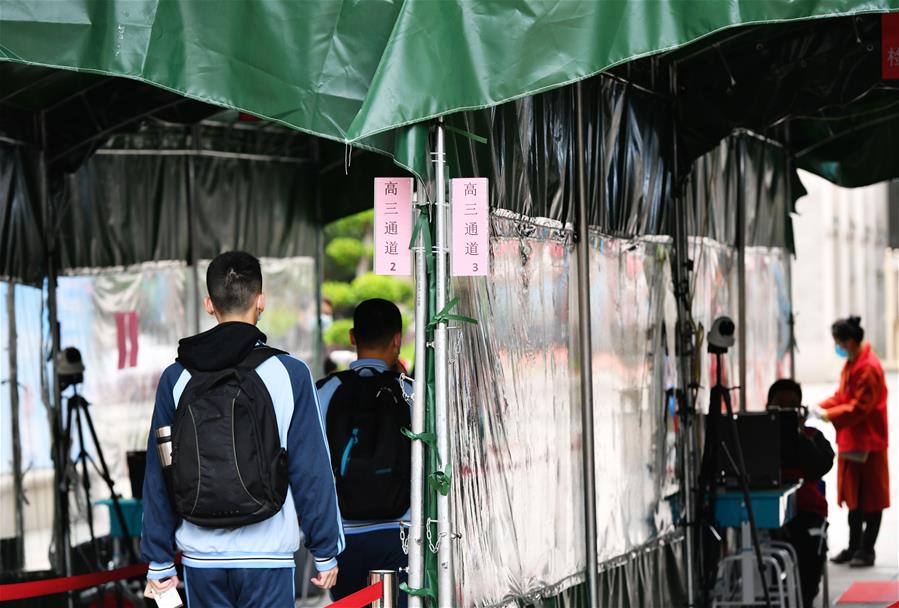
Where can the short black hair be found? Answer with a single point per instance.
(375, 322)
(233, 279)
(848, 329)
(784, 385)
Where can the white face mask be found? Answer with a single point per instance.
(326, 321)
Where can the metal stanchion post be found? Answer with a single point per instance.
(389, 588)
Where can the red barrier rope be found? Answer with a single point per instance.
(361, 598)
(53, 586)
(21, 591)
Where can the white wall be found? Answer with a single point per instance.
(841, 239)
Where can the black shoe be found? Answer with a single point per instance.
(843, 557)
(862, 559)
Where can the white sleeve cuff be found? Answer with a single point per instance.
(325, 564)
(161, 570)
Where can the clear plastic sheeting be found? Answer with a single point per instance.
(531, 149)
(517, 459)
(767, 322)
(516, 423)
(759, 171)
(650, 577)
(714, 292)
(629, 283)
(126, 323)
(768, 309)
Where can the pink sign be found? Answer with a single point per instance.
(471, 228)
(393, 225)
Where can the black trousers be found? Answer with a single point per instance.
(811, 560)
(381, 550)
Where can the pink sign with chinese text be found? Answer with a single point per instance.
(393, 225)
(471, 228)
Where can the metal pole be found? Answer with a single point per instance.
(586, 356)
(417, 517)
(741, 266)
(63, 546)
(685, 353)
(789, 254)
(444, 532)
(192, 234)
(14, 425)
(387, 578)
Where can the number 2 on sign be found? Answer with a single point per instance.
(392, 266)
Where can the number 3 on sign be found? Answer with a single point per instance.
(474, 267)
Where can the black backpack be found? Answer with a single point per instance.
(228, 467)
(370, 455)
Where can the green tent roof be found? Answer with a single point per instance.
(356, 72)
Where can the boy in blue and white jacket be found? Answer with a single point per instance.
(251, 565)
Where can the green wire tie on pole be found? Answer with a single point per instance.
(429, 439)
(423, 592)
(444, 316)
(440, 480)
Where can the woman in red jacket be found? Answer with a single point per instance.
(858, 410)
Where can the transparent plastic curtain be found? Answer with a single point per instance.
(652, 577)
(516, 422)
(767, 322)
(714, 293)
(126, 323)
(34, 426)
(632, 371)
(517, 460)
(531, 145)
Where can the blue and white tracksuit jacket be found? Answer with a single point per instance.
(311, 501)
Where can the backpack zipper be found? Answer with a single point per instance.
(234, 449)
(345, 460)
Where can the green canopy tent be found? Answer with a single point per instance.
(373, 75)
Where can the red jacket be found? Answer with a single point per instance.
(858, 410)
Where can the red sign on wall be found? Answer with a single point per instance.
(889, 29)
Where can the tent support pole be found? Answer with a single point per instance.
(586, 350)
(789, 254)
(60, 456)
(444, 533)
(14, 425)
(741, 267)
(683, 265)
(192, 234)
(416, 524)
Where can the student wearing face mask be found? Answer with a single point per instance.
(858, 411)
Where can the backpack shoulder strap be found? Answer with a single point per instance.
(258, 356)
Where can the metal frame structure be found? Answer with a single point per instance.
(441, 368)
(586, 360)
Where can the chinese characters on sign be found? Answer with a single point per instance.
(890, 47)
(393, 225)
(471, 228)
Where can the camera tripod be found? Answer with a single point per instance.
(77, 416)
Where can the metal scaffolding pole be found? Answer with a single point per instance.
(444, 533)
(741, 267)
(586, 350)
(685, 353)
(19, 494)
(417, 516)
(60, 456)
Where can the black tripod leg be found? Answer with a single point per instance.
(116, 506)
(86, 484)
